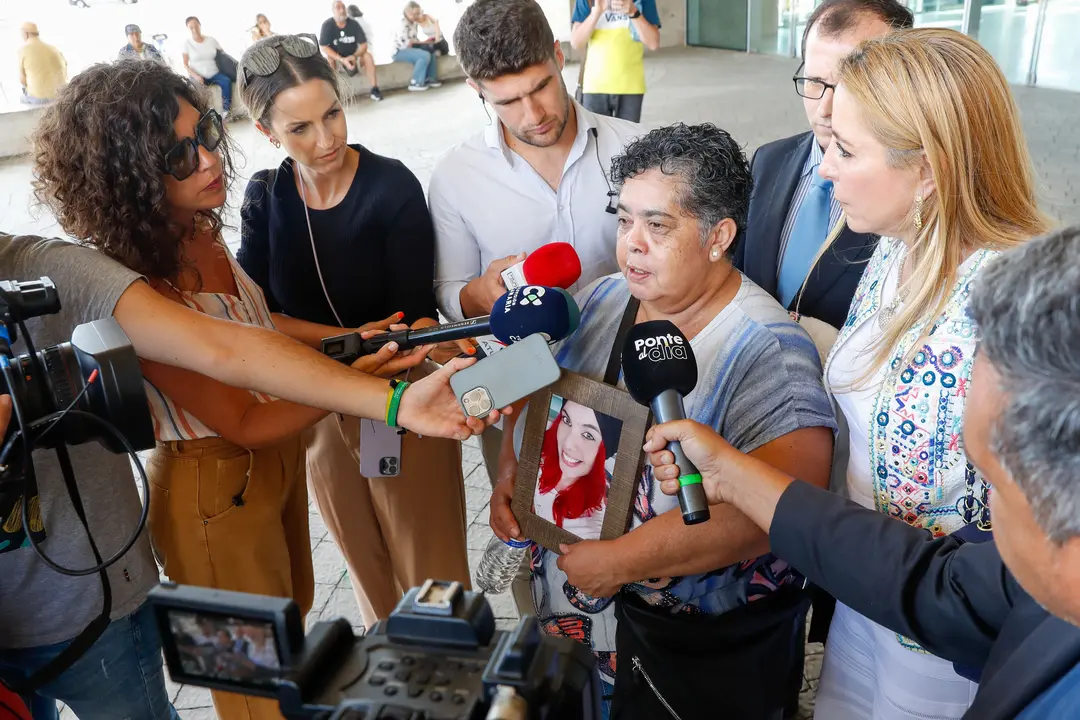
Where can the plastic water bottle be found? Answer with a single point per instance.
(500, 565)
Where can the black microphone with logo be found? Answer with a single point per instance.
(659, 370)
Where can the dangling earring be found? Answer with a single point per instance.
(918, 212)
(275, 142)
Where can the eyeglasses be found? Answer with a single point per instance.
(183, 159)
(265, 59)
(811, 88)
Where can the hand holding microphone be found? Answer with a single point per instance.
(517, 314)
(659, 370)
(553, 265)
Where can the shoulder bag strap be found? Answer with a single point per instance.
(614, 364)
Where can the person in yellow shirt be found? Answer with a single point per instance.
(616, 33)
(42, 68)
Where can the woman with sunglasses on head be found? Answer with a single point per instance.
(336, 235)
(131, 160)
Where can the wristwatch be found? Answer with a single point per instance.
(636, 15)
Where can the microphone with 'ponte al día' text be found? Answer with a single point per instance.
(659, 370)
(517, 314)
(553, 265)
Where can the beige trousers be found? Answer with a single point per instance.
(229, 518)
(395, 532)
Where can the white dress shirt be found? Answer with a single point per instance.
(487, 203)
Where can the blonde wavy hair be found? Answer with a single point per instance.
(938, 94)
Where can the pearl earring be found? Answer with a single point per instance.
(918, 212)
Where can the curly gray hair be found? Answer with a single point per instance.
(1027, 306)
(713, 169)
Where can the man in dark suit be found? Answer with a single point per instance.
(1010, 608)
(792, 209)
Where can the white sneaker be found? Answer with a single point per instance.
(417, 88)
(433, 84)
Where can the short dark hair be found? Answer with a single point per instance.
(502, 37)
(716, 176)
(836, 17)
(190, 18)
(259, 88)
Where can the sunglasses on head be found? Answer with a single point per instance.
(265, 59)
(183, 159)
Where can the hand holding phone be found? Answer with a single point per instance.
(502, 379)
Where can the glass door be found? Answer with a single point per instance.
(1056, 61)
(716, 24)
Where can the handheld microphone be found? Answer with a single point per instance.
(553, 265)
(659, 369)
(518, 313)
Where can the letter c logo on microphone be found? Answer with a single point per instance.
(532, 294)
(657, 349)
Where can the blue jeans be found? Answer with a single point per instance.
(423, 63)
(119, 677)
(226, 89)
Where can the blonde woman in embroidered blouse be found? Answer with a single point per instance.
(927, 152)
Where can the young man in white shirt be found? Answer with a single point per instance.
(537, 174)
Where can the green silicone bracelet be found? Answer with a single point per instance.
(395, 403)
(694, 479)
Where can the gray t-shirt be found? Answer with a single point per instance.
(39, 606)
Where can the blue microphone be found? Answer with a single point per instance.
(517, 314)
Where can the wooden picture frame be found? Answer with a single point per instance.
(610, 401)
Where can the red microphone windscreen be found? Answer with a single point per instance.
(555, 265)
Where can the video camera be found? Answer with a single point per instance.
(437, 657)
(68, 394)
(88, 389)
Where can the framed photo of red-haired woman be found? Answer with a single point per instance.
(580, 462)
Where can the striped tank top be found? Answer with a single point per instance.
(172, 422)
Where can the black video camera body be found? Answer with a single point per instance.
(65, 394)
(437, 657)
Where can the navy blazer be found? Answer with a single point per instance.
(777, 168)
(957, 600)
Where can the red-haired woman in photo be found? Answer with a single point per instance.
(572, 491)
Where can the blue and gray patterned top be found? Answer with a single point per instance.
(759, 378)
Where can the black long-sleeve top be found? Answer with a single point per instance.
(376, 247)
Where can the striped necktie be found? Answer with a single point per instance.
(809, 232)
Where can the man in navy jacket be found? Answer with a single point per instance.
(792, 209)
(1011, 607)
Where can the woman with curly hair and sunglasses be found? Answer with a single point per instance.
(130, 159)
(337, 235)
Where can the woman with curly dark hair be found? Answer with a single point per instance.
(130, 159)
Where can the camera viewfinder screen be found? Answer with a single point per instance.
(226, 649)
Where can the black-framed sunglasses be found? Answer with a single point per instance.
(266, 59)
(810, 88)
(183, 159)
